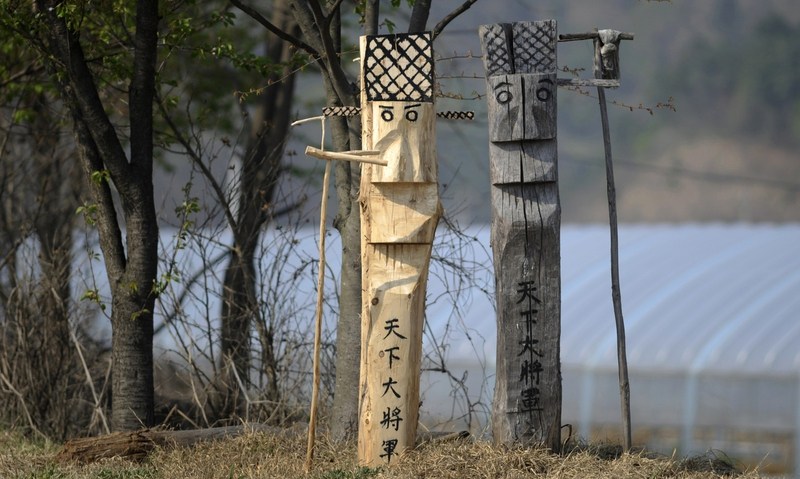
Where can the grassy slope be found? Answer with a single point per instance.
(263, 456)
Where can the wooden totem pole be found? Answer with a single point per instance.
(400, 209)
(521, 84)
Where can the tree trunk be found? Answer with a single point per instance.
(344, 412)
(261, 166)
(347, 135)
(238, 306)
(131, 362)
(131, 270)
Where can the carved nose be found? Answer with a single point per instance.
(399, 149)
(394, 148)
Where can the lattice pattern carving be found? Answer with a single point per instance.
(399, 67)
(456, 115)
(522, 47)
(497, 58)
(347, 111)
(534, 47)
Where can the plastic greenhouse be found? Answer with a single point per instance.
(712, 317)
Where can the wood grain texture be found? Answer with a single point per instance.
(137, 445)
(521, 88)
(407, 141)
(523, 162)
(403, 212)
(392, 350)
(526, 252)
(400, 209)
(523, 106)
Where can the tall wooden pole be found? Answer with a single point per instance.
(399, 212)
(606, 66)
(616, 296)
(356, 156)
(312, 420)
(607, 73)
(520, 62)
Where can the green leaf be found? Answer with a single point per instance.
(89, 213)
(90, 295)
(23, 115)
(100, 176)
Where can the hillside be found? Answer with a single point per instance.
(726, 153)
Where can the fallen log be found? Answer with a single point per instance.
(137, 445)
(435, 437)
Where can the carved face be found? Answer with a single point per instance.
(523, 106)
(398, 83)
(404, 133)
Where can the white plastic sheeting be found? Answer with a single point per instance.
(712, 314)
(721, 298)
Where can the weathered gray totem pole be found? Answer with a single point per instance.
(521, 84)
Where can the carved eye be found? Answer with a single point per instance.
(502, 93)
(543, 93)
(411, 112)
(387, 115)
(503, 97)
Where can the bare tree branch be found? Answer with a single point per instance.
(310, 18)
(340, 82)
(451, 16)
(28, 70)
(283, 35)
(196, 160)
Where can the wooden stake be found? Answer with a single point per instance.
(606, 65)
(362, 156)
(312, 417)
(622, 360)
(312, 420)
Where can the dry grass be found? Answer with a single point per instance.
(265, 456)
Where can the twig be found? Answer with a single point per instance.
(247, 401)
(21, 399)
(570, 37)
(97, 409)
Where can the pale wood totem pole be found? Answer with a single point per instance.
(521, 84)
(400, 209)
